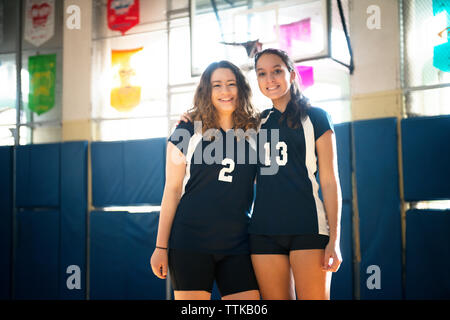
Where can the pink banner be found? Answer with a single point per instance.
(299, 31)
(307, 76)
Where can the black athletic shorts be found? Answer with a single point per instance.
(283, 244)
(197, 271)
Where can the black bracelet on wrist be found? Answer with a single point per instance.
(161, 248)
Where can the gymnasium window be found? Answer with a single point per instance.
(426, 87)
(34, 128)
(149, 118)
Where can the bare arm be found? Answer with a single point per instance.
(175, 171)
(331, 192)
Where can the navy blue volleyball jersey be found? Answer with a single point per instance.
(214, 209)
(288, 202)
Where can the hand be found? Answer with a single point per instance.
(159, 262)
(185, 117)
(333, 253)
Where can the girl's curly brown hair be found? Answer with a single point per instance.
(244, 116)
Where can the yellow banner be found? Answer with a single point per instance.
(126, 92)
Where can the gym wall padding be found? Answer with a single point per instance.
(426, 158)
(73, 217)
(376, 160)
(52, 209)
(6, 208)
(51, 219)
(121, 245)
(37, 175)
(344, 156)
(342, 280)
(37, 255)
(427, 254)
(128, 172)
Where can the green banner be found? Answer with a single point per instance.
(42, 70)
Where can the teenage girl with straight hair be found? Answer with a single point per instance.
(294, 236)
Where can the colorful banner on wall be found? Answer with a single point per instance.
(306, 76)
(126, 92)
(42, 70)
(440, 5)
(441, 52)
(441, 57)
(123, 14)
(39, 21)
(297, 31)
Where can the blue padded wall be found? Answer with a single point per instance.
(37, 255)
(145, 163)
(121, 245)
(128, 172)
(426, 158)
(107, 265)
(379, 206)
(37, 175)
(342, 280)
(344, 156)
(51, 176)
(107, 173)
(6, 207)
(73, 217)
(427, 254)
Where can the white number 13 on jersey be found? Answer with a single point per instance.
(282, 146)
(229, 167)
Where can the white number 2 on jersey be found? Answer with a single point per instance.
(229, 167)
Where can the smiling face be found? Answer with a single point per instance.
(274, 78)
(224, 91)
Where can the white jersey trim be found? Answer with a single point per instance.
(193, 142)
(311, 166)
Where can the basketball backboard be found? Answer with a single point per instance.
(225, 29)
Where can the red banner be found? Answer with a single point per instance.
(123, 14)
(39, 21)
